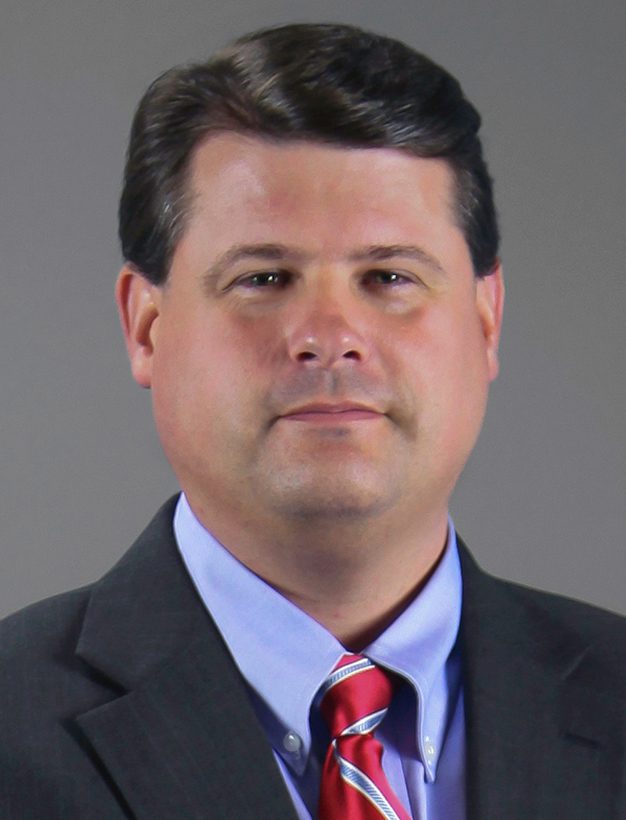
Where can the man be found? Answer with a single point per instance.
(312, 293)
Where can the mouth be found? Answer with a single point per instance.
(332, 414)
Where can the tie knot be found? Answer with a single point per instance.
(355, 696)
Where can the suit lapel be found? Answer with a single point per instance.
(182, 739)
(536, 731)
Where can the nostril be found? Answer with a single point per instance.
(325, 349)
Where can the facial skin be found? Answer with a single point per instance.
(319, 358)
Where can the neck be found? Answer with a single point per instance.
(354, 578)
(357, 607)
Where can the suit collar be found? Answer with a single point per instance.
(181, 740)
(524, 702)
(144, 610)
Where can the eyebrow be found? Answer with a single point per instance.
(275, 252)
(381, 253)
(270, 252)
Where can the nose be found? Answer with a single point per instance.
(324, 332)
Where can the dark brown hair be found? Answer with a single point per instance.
(325, 83)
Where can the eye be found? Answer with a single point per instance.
(264, 279)
(386, 278)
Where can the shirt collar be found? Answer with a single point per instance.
(292, 654)
(419, 645)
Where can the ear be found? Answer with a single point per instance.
(138, 304)
(490, 302)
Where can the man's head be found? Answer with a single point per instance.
(332, 84)
(312, 291)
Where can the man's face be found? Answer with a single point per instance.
(322, 348)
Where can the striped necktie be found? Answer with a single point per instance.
(355, 698)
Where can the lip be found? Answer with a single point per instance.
(326, 413)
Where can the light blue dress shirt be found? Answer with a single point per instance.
(285, 655)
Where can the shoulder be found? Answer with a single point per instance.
(552, 629)
(548, 614)
(46, 683)
(550, 608)
(47, 632)
(484, 591)
(47, 629)
(40, 672)
(43, 684)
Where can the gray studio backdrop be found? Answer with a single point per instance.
(543, 499)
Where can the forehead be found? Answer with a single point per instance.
(309, 193)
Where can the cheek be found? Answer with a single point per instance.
(206, 375)
(182, 366)
(448, 363)
(468, 387)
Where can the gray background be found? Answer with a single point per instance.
(543, 499)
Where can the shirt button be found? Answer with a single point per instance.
(429, 747)
(292, 743)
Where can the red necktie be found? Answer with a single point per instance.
(355, 698)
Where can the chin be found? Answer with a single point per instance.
(332, 498)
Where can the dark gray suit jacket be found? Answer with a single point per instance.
(120, 700)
